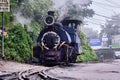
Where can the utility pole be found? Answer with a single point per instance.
(4, 7)
(3, 55)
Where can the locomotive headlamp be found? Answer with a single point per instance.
(49, 20)
(50, 40)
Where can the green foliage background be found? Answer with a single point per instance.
(88, 54)
(33, 7)
(18, 44)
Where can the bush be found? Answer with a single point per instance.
(18, 44)
(88, 54)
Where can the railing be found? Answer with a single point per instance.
(107, 53)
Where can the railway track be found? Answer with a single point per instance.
(30, 74)
(9, 76)
(35, 75)
(83, 71)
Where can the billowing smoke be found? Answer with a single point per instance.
(62, 6)
(22, 20)
(61, 3)
(31, 10)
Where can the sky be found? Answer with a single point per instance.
(106, 8)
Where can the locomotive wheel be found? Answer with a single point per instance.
(73, 57)
(73, 60)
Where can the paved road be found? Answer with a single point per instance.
(88, 71)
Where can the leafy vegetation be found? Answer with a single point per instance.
(88, 54)
(36, 29)
(18, 44)
(8, 18)
(31, 8)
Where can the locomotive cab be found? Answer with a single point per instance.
(73, 28)
(71, 23)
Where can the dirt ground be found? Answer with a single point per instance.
(9, 66)
(79, 71)
(88, 71)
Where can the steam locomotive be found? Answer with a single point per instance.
(58, 42)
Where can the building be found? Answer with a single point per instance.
(116, 41)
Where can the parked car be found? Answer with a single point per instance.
(117, 54)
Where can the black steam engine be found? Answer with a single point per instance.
(58, 42)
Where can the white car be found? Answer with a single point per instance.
(117, 54)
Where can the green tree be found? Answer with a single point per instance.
(88, 54)
(36, 28)
(79, 12)
(76, 10)
(112, 26)
(33, 7)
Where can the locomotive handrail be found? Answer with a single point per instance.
(66, 51)
(40, 45)
(61, 44)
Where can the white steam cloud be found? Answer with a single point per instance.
(62, 6)
(21, 19)
(61, 3)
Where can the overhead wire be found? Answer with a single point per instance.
(111, 2)
(105, 9)
(102, 7)
(104, 16)
(95, 19)
(98, 23)
(95, 23)
(99, 3)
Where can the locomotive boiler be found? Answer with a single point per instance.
(58, 42)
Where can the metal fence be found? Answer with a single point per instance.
(108, 53)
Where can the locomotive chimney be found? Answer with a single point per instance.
(51, 13)
(49, 19)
